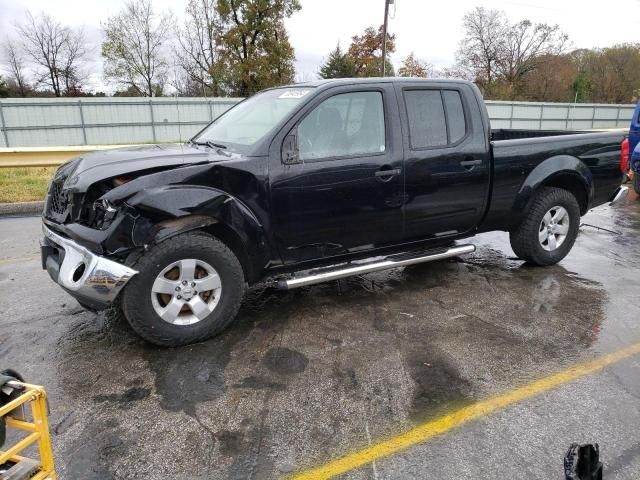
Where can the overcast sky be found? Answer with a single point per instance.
(430, 29)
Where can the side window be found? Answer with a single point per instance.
(436, 118)
(455, 115)
(346, 124)
(427, 126)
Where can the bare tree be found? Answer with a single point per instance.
(196, 49)
(479, 53)
(56, 50)
(15, 66)
(498, 54)
(522, 49)
(135, 47)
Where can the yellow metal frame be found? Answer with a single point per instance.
(38, 430)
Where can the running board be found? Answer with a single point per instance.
(389, 262)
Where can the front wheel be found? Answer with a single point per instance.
(549, 228)
(188, 288)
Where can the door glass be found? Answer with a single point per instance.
(455, 115)
(427, 127)
(344, 125)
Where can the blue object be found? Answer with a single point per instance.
(635, 159)
(634, 140)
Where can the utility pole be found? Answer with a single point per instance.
(384, 36)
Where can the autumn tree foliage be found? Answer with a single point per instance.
(254, 48)
(611, 75)
(412, 67)
(363, 57)
(366, 52)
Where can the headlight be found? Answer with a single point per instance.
(104, 213)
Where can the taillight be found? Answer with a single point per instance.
(624, 156)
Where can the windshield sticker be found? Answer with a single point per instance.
(296, 93)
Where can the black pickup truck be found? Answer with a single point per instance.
(309, 183)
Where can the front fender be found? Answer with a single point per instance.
(546, 172)
(174, 209)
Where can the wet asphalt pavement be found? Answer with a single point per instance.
(303, 377)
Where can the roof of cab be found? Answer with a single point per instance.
(360, 80)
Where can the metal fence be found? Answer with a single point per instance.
(104, 121)
(558, 116)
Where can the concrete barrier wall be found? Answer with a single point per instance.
(34, 122)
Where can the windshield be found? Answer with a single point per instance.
(249, 121)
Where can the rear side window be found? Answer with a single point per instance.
(436, 117)
(455, 115)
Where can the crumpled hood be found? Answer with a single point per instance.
(83, 171)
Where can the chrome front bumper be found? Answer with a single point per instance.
(619, 195)
(92, 279)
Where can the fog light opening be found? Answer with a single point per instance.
(78, 272)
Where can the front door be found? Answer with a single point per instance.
(345, 195)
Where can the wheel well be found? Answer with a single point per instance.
(231, 239)
(573, 185)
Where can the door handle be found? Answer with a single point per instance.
(388, 173)
(469, 164)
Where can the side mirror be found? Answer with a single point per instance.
(290, 154)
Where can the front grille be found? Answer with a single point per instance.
(58, 200)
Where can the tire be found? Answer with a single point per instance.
(86, 306)
(636, 182)
(141, 304)
(527, 240)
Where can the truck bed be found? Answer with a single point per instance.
(516, 153)
(515, 134)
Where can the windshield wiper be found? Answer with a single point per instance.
(210, 144)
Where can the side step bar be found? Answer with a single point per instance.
(350, 270)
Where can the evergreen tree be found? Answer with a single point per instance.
(338, 65)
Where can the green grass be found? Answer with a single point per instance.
(24, 184)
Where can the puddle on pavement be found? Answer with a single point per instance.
(402, 345)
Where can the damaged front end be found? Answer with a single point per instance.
(92, 279)
(96, 226)
(80, 230)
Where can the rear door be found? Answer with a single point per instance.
(345, 193)
(447, 161)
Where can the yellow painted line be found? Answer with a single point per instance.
(464, 415)
(26, 258)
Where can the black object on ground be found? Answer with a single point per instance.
(6, 376)
(582, 462)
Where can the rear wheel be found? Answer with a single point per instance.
(188, 288)
(549, 228)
